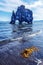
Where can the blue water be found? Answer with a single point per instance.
(6, 31)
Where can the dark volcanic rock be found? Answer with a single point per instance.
(22, 14)
(13, 18)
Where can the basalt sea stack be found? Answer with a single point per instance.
(22, 14)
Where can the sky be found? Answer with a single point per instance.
(7, 6)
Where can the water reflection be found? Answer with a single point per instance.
(19, 30)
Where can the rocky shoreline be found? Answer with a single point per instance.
(10, 54)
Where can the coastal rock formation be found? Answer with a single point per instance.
(13, 18)
(22, 14)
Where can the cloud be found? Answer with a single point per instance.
(36, 7)
(38, 13)
(9, 5)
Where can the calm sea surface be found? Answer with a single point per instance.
(12, 31)
(11, 52)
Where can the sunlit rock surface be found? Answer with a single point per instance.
(28, 52)
(22, 14)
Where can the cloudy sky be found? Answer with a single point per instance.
(6, 7)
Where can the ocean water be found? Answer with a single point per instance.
(8, 31)
(12, 51)
(5, 30)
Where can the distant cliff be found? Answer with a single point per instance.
(22, 14)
